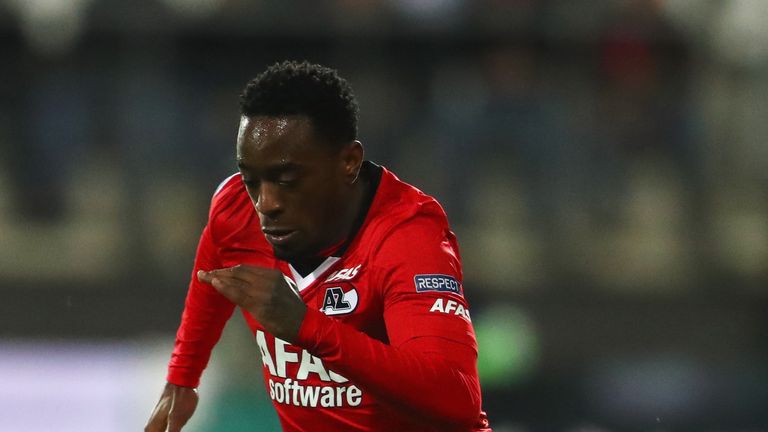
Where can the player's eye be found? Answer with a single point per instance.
(287, 180)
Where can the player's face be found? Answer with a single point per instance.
(299, 185)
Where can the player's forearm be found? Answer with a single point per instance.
(418, 378)
(205, 314)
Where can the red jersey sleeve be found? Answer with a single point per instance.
(429, 365)
(205, 314)
(205, 310)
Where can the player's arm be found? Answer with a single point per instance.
(429, 365)
(205, 314)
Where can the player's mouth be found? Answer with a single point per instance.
(279, 236)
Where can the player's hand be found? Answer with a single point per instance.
(173, 410)
(264, 293)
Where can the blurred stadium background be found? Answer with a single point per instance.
(604, 163)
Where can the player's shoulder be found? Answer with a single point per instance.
(231, 211)
(228, 188)
(231, 182)
(230, 194)
(404, 214)
(409, 206)
(412, 235)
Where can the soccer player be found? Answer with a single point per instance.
(349, 278)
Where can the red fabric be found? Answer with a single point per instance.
(205, 310)
(205, 313)
(373, 353)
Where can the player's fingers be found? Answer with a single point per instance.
(248, 272)
(225, 273)
(230, 288)
(222, 274)
(229, 281)
(205, 276)
(246, 280)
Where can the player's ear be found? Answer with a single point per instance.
(352, 159)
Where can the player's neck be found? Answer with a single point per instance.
(353, 215)
(361, 199)
(308, 264)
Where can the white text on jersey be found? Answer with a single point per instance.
(344, 274)
(450, 306)
(294, 390)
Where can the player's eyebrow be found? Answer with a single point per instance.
(272, 169)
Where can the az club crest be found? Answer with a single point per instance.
(338, 302)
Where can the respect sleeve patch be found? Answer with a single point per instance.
(437, 282)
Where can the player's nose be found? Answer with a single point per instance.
(269, 202)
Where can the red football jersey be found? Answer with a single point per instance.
(387, 342)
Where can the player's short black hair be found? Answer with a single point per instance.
(303, 88)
